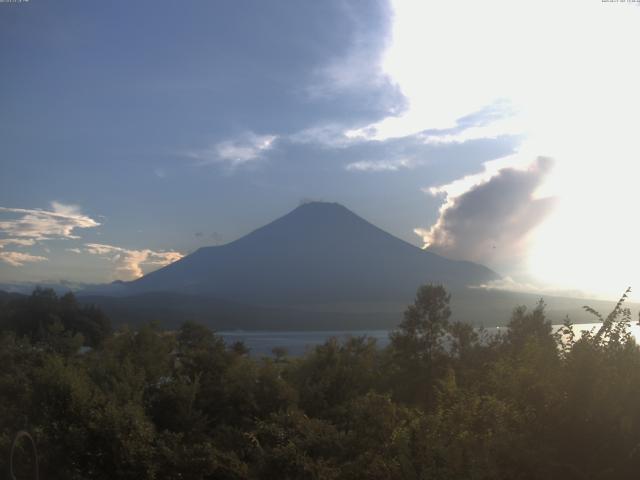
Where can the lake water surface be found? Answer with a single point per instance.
(262, 343)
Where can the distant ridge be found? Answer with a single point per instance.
(318, 253)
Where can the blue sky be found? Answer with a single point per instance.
(135, 132)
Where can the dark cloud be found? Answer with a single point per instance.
(490, 222)
(195, 72)
(127, 88)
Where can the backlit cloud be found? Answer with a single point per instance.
(490, 222)
(129, 262)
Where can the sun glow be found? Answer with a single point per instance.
(569, 71)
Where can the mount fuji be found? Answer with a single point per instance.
(318, 253)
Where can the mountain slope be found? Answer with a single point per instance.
(318, 253)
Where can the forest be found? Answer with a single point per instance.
(442, 401)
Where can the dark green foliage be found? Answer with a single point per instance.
(334, 373)
(443, 401)
(418, 350)
(419, 338)
(43, 315)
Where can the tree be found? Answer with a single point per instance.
(417, 346)
(526, 327)
(419, 336)
(35, 315)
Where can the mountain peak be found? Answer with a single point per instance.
(317, 204)
(323, 208)
(314, 222)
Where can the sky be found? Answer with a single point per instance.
(502, 132)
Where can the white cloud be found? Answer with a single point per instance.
(24, 227)
(380, 165)
(37, 224)
(244, 149)
(129, 262)
(509, 284)
(22, 242)
(18, 259)
(497, 128)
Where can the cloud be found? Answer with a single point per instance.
(490, 222)
(129, 262)
(331, 135)
(494, 125)
(18, 259)
(505, 126)
(247, 148)
(495, 119)
(380, 165)
(356, 70)
(509, 284)
(29, 226)
(23, 242)
(35, 224)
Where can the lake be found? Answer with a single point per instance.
(261, 343)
